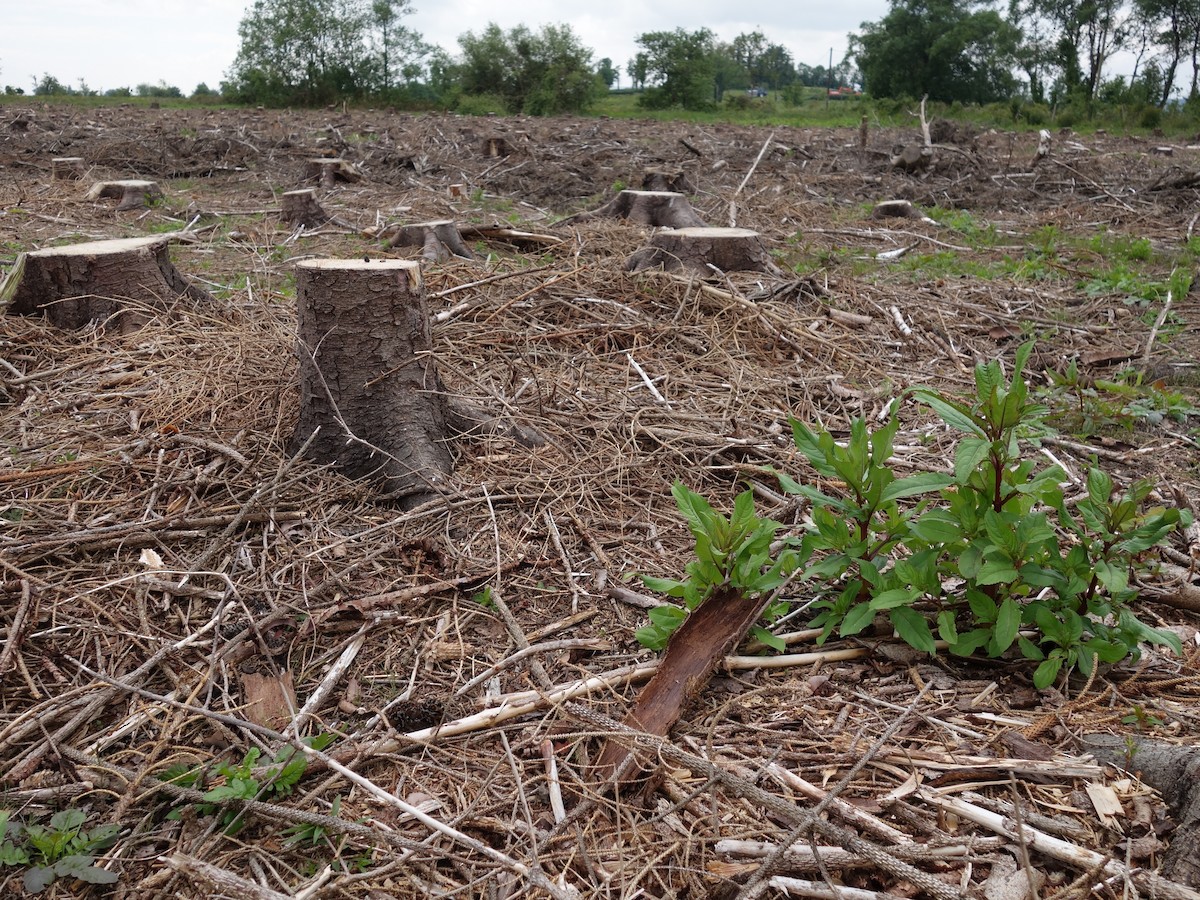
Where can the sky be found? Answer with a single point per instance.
(124, 43)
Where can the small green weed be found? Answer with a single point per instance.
(62, 849)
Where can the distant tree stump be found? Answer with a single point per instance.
(913, 158)
(122, 282)
(133, 193)
(662, 209)
(899, 209)
(495, 147)
(368, 381)
(703, 250)
(439, 240)
(327, 172)
(301, 208)
(669, 180)
(66, 168)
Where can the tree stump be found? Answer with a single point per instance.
(669, 180)
(662, 209)
(123, 282)
(133, 193)
(495, 147)
(899, 209)
(66, 168)
(371, 401)
(913, 158)
(704, 251)
(329, 171)
(439, 240)
(301, 208)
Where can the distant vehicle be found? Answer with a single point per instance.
(838, 93)
(757, 92)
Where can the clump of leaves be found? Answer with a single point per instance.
(61, 849)
(245, 780)
(735, 552)
(986, 552)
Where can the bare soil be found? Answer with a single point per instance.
(159, 546)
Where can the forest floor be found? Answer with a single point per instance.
(160, 549)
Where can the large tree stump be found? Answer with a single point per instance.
(66, 168)
(301, 208)
(122, 283)
(670, 180)
(134, 193)
(439, 240)
(371, 400)
(704, 251)
(662, 209)
(329, 171)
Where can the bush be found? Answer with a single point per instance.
(479, 105)
(1149, 117)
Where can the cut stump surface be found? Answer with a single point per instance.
(133, 193)
(703, 251)
(124, 282)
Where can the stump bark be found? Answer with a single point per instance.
(301, 208)
(704, 250)
(66, 167)
(662, 209)
(123, 283)
(439, 240)
(329, 171)
(669, 180)
(494, 147)
(133, 193)
(371, 401)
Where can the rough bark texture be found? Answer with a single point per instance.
(662, 209)
(706, 636)
(703, 250)
(328, 172)
(66, 167)
(122, 283)
(1173, 770)
(439, 240)
(367, 376)
(670, 180)
(133, 193)
(494, 147)
(301, 208)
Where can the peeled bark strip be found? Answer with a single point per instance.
(328, 172)
(662, 209)
(439, 240)
(709, 632)
(122, 282)
(369, 388)
(301, 208)
(66, 167)
(704, 251)
(133, 193)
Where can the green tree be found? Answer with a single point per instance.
(540, 73)
(949, 50)
(682, 66)
(396, 46)
(1076, 37)
(608, 72)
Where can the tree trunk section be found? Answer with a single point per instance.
(669, 180)
(704, 251)
(66, 168)
(439, 240)
(121, 283)
(328, 172)
(133, 193)
(370, 396)
(661, 209)
(300, 208)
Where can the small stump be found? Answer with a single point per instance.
(496, 147)
(439, 240)
(703, 250)
(66, 168)
(133, 193)
(913, 158)
(327, 172)
(370, 396)
(124, 282)
(301, 208)
(662, 209)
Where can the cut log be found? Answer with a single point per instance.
(662, 209)
(669, 180)
(122, 283)
(327, 172)
(133, 193)
(705, 251)
(66, 168)
(371, 401)
(300, 208)
(439, 240)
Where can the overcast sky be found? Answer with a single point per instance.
(119, 43)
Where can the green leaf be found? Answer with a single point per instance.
(953, 413)
(970, 641)
(915, 484)
(937, 526)
(38, 878)
(893, 598)
(1044, 675)
(947, 628)
(768, 638)
(996, 571)
(1008, 621)
(859, 617)
(668, 586)
(969, 456)
(669, 617)
(82, 867)
(912, 628)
